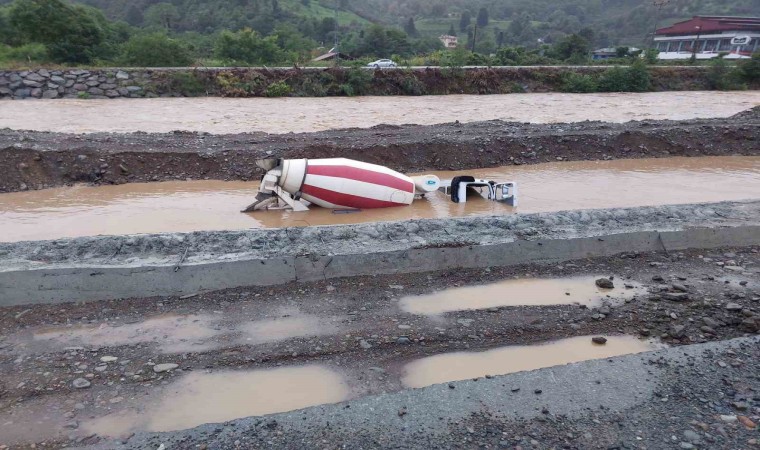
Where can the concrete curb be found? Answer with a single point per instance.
(104, 283)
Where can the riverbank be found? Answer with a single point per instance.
(316, 82)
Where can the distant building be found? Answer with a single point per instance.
(709, 36)
(449, 41)
(610, 52)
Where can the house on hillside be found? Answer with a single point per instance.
(449, 41)
(707, 37)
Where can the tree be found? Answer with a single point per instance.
(162, 15)
(482, 17)
(452, 31)
(571, 47)
(71, 33)
(247, 46)
(155, 50)
(464, 21)
(587, 34)
(134, 16)
(410, 28)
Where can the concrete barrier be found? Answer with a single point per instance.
(53, 285)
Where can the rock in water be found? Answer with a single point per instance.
(599, 340)
(605, 283)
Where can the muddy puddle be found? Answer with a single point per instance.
(520, 292)
(284, 115)
(265, 331)
(464, 365)
(199, 398)
(176, 333)
(215, 205)
(172, 333)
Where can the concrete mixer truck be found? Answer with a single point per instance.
(340, 183)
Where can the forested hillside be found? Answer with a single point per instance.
(615, 22)
(240, 32)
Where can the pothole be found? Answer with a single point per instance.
(199, 398)
(520, 292)
(500, 361)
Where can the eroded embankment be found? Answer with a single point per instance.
(35, 160)
(181, 264)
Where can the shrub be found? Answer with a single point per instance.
(635, 78)
(358, 82)
(278, 89)
(749, 70)
(29, 53)
(639, 79)
(187, 83)
(155, 50)
(576, 82)
(411, 85)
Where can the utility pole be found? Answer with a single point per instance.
(696, 42)
(659, 4)
(337, 39)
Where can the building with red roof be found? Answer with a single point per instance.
(707, 37)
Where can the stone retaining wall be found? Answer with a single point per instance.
(313, 82)
(75, 83)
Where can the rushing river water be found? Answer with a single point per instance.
(184, 206)
(284, 115)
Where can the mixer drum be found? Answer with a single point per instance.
(345, 183)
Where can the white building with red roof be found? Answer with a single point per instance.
(707, 37)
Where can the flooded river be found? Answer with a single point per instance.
(215, 205)
(284, 115)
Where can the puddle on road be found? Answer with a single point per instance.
(173, 334)
(273, 330)
(178, 334)
(465, 365)
(520, 292)
(284, 115)
(199, 398)
(215, 205)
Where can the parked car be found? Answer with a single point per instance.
(382, 63)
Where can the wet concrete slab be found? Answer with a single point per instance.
(520, 292)
(199, 398)
(463, 365)
(215, 205)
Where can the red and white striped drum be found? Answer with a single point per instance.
(345, 183)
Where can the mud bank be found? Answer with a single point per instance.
(36, 160)
(184, 264)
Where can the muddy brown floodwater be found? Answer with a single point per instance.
(463, 365)
(215, 205)
(284, 115)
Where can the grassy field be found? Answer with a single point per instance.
(315, 9)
